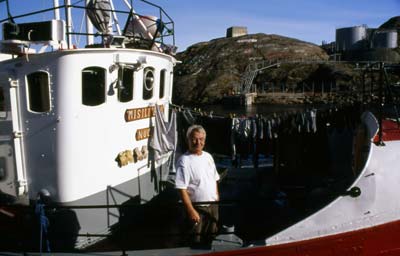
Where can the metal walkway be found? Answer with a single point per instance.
(252, 69)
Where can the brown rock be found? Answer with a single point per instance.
(211, 69)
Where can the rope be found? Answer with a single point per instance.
(44, 224)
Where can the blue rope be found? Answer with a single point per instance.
(44, 224)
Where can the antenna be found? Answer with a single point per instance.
(68, 15)
(10, 18)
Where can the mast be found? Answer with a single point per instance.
(69, 22)
(89, 28)
(115, 18)
(56, 10)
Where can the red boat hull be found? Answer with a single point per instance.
(378, 240)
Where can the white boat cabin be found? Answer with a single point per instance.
(75, 119)
(67, 115)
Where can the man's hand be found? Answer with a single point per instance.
(194, 215)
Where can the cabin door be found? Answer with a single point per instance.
(9, 182)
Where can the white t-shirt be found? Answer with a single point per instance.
(198, 175)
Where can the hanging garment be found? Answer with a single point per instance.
(163, 141)
(260, 128)
(264, 138)
(164, 137)
(189, 117)
(314, 120)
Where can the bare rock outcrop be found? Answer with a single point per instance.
(211, 69)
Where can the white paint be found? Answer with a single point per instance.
(377, 204)
(71, 150)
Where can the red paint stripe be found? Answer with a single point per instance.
(390, 131)
(379, 240)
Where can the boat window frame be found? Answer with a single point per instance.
(163, 83)
(145, 88)
(3, 115)
(39, 101)
(3, 105)
(122, 86)
(2, 99)
(85, 97)
(3, 168)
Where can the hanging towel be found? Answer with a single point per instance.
(164, 137)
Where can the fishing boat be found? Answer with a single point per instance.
(79, 171)
(75, 121)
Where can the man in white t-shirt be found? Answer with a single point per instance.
(196, 181)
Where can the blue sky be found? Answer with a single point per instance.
(308, 20)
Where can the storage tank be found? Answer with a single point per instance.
(385, 39)
(351, 38)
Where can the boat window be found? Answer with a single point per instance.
(2, 168)
(125, 84)
(2, 100)
(93, 86)
(162, 83)
(148, 83)
(3, 113)
(39, 91)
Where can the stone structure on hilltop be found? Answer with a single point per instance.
(236, 31)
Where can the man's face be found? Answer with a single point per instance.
(197, 142)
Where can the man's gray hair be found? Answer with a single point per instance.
(195, 128)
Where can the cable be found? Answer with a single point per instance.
(44, 224)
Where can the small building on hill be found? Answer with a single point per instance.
(236, 31)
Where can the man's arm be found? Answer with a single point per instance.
(193, 214)
(216, 184)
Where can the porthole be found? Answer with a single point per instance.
(148, 83)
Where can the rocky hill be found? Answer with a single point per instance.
(211, 69)
(392, 23)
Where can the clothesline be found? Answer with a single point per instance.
(232, 136)
(211, 114)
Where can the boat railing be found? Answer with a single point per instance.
(151, 220)
(380, 94)
(154, 31)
